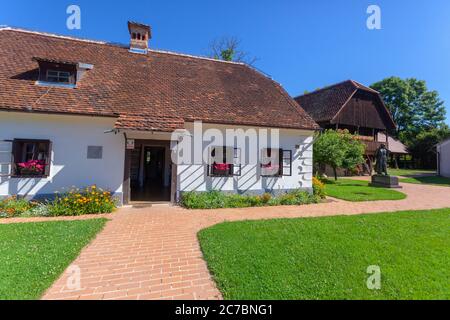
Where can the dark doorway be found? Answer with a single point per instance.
(149, 184)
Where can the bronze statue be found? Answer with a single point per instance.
(382, 156)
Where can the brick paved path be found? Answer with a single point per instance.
(153, 253)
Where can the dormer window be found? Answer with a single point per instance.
(58, 76)
(60, 73)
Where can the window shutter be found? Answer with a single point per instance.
(17, 155)
(286, 162)
(211, 159)
(229, 159)
(237, 162)
(48, 159)
(218, 155)
(265, 160)
(229, 155)
(280, 162)
(6, 158)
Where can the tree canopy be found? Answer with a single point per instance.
(418, 112)
(413, 107)
(228, 49)
(338, 149)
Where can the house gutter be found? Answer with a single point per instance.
(30, 110)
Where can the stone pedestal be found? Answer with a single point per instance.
(379, 180)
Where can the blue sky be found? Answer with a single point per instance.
(302, 44)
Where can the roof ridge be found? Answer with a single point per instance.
(359, 84)
(194, 56)
(355, 83)
(113, 44)
(324, 88)
(54, 35)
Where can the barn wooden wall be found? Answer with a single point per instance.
(363, 110)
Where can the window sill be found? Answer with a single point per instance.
(29, 177)
(55, 84)
(221, 176)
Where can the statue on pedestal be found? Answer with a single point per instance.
(382, 178)
(382, 157)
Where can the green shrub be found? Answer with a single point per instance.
(217, 199)
(39, 210)
(265, 198)
(203, 200)
(13, 206)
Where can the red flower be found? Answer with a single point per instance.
(270, 166)
(221, 166)
(32, 167)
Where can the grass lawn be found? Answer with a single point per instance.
(358, 190)
(409, 172)
(436, 180)
(327, 258)
(33, 255)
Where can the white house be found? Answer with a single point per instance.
(78, 112)
(443, 158)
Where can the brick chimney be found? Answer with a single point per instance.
(140, 34)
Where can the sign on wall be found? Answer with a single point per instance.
(130, 144)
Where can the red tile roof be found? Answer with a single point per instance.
(157, 91)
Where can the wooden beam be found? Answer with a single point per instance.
(126, 178)
(173, 174)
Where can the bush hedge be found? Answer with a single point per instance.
(217, 199)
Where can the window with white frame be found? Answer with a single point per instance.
(58, 76)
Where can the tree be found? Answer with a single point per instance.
(419, 114)
(424, 144)
(413, 107)
(338, 149)
(227, 49)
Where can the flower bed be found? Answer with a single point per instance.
(90, 200)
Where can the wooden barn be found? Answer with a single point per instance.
(352, 106)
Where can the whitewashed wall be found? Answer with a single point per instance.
(195, 178)
(444, 150)
(70, 137)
